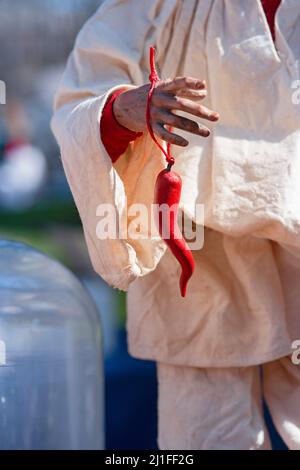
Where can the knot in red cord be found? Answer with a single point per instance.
(153, 77)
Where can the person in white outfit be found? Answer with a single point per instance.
(231, 341)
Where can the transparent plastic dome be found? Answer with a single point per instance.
(51, 364)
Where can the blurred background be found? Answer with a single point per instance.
(36, 207)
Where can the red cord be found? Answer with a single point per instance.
(154, 78)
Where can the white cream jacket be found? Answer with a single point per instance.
(247, 174)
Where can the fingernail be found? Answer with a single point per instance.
(200, 83)
(203, 133)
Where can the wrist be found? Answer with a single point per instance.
(117, 113)
(121, 110)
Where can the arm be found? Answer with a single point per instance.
(109, 57)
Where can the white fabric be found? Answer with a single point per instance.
(242, 306)
(247, 174)
(221, 409)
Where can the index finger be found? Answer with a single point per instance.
(179, 83)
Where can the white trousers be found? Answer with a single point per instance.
(221, 408)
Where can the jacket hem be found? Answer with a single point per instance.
(147, 354)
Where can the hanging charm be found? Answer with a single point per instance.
(167, 192)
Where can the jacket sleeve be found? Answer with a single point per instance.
(109, 54)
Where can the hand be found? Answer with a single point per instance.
(180, 93)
